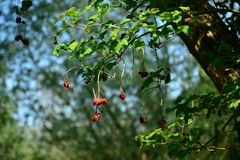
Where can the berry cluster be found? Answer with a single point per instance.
(96, 116)
(66, 84)
(99, 101)
(122, 95)
(19, 37)
(21, 11)
(24, 40)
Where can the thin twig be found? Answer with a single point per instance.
(217, 134)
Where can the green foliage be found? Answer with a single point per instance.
(26, 4)
(188, 132)
(112, 38)
(161, 74)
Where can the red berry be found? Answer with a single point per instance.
(104, 101)
(122, 95)
(94, 101)
(95, 117)
(97, 101)
(18, 37)
(18, 20)
(25, 42)
(142, 120)
(66, 84)
(143, 74)
(101, 100)
(162, 122)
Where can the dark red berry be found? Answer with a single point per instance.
(18, 20)
(143, 74)
(122, 95)
(66, 84)
(18, 37)
(25, 42)
(142, 120)
(162, 122)
(103, 77)
(23, 22)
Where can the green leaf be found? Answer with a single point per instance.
(58, 48)
(158, 74)
(71, 12)
(109, 66)
(147, 82)
(26, 4)
(80, 71)
(94, 17)
(176, 150)
(175, 124)
(114, 33)
(124, 21)
(175, 135)
(165, 32)
(86, 8)
(139, 44)
(176, 16)
(234, 103)
(87, 52)
(184, 9)
(183, 29)
(173, 16)
(73, 45)
(190, 121)
(167, 78)
(122, 43)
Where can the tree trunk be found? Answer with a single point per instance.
(212, 44)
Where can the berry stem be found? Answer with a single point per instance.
(94, 93)
(133, 63)
(142, 114)
(123, 70)
(96, 109)
(161, 98)
(143, 54)
(98, 82)
(66, 73)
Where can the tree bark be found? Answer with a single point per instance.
(212, 44)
